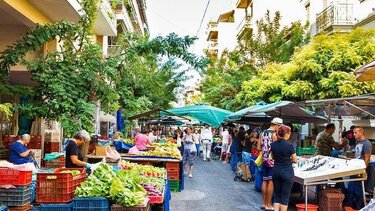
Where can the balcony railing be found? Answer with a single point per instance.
(213, 44)
(114, 49)
(243, 25)
(337, 14)
(212, 26)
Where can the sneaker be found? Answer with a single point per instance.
(224, 162)
(208, 159)
(190, 175)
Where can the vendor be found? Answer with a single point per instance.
(73, 156)
(19, 154)
(363, 149)
(325, 141)
(142, 140)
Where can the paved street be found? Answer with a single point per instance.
(212, 188)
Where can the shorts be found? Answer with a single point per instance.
(188, 157)
(224, 147)
(267, 173)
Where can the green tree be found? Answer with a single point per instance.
(322, 69)
(272, 43)
(71, 81)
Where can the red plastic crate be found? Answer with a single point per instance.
(26, 207)
(51, 147)
(175, 175)
(172, 166)
(9, 176)
(156, 199)
(58, 187)
(55, 163)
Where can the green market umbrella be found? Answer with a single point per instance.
(204, 113)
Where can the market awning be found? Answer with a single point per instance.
(284, 109)
(363, 105)
(204, 113)
(107, 117)
(159, 112)
(366, 72)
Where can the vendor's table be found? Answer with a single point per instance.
(332, 170)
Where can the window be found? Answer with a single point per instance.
(307, 8)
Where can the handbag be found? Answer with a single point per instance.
(193, 149)
(259, 159)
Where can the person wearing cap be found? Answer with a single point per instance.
(18, 152)
(267, 137)
(73, 156)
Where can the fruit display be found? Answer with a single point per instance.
(128, 140)
(164, 150)
(150, 171)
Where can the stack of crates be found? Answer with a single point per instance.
(53, 207)
(17, 198)
(50, 147)
(90, 204)
(9, 139)
(35, 142)
(173, 172)
(58, 187)
(59, 162)
(51, 141)
(331, 199)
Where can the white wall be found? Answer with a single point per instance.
(226, 37)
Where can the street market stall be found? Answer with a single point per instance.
(326, 170)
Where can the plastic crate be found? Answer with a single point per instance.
(174, 175)
(174, 185)
(33, 191)
(3, 208)
(90, 204)
(26, 207)
(54, 207)
(330, 200)
(157, 199)
(58, 187)
(55, 163)
(144, 207)
(51, 147)
(18, 196)
(9, 176)
(172, 166)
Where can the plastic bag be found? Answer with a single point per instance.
(259, 159)
(193, 149)
(112, 154)
(134, 151)
(178, 141)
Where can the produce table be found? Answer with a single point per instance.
(325, 170)
(154, 160)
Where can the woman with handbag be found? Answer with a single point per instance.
(189, 151)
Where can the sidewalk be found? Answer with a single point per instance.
(212, 188)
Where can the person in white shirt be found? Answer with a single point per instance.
(153, 136)
(197, 142)
(206, 140)
(225, 140)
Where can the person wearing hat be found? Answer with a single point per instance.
(267, 137)
(73, 156)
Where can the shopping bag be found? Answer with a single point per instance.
(259, 159)
(112, 154)
(193, 149)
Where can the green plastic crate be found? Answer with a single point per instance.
(174, 185)
(305, 151)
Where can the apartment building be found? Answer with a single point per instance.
(330, 16)
(224, 34)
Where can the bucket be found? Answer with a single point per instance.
(310, 207)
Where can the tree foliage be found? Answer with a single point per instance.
(322, 69)
(271, 43)
(72, 80)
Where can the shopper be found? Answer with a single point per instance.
(247, 145)
(350, 136)
(206, 140)
(188, 155)
(18, 152)
(294, 137)
(73, 156)
(363, 149)
(230, 140)
(236, 148)
(197, 142)
(267, 137)
(142, 140)
(284, 154)
(224, 142)
(325, 141)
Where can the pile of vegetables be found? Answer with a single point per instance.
(164, 150)
(128, 141)
(73, 172)
(124, 187)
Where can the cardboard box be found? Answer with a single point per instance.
(100, 150)
(37, 155)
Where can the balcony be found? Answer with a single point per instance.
(212, 30)
(244, 28)
(114, 49)
(122, 16)
(243, 4)
(213, 47)
(105, 23)
(338, 17)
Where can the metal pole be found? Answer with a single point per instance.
(305, 197)
(363, 192)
